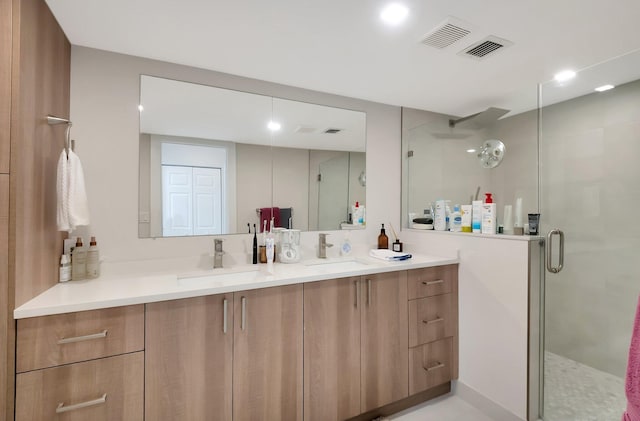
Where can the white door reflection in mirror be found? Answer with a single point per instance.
(192, 189)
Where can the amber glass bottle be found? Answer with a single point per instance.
(383, 240)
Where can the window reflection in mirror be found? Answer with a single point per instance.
(211, 159)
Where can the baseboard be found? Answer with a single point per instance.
(403, 404)
(482, 403)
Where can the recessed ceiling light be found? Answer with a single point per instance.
(274, 126)
(140, 107)
(604, 88)
(564, 75)
(394, 14)
(471, 150)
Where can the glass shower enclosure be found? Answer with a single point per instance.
(589, 189)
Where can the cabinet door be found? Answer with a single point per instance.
(385, 339)
(188, 359)
(332, 349)
(108, 389)
(5, 84)
(267, 355)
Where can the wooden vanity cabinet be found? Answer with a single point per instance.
(383, 351)
(228, 356)
(267, 354)
(332, 349)
(355, 345)
(86, 365)
(188, 359)
(433, 327)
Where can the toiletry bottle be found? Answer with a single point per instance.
(383, 240)
(65, 268)
(78, 261)
(345, 249)
(440, 221)
(489, 223)
(456, 219)
(476, 216)
(397, 245)
(466, 218)
(93, 259)
(355, 213)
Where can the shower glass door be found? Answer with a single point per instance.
(589, 154)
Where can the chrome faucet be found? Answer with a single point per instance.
(322, 245)
(217, 253)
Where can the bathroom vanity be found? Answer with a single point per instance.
(351, 339)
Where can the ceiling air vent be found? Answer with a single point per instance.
(332, 131)
(448, 32)
(486, 47)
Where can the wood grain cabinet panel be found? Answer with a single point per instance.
(109, 389)
(267, 355)
(431, 318)
(430, 281)
(430, 365)
(332, 349)
(385, 367)
(188, 359)
(67, 338)
(5, 83)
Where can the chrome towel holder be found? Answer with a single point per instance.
(53, 120)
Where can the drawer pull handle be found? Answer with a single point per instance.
(434, 367)
(224, 315)
(61, 408)
(428, 322)
(437, 281)
(100, 335)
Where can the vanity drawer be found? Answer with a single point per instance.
(100, 390)
(432, 281)
(67, 338)
(431, 318)
(430, 365)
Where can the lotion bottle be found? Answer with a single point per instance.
(489, 223)
(345, 248)
(78, 261)
(93, 259)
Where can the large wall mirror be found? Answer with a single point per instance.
(214, 160)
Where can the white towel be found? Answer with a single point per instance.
(73, 208)
(389, 255)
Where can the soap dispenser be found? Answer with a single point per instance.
(383, 240)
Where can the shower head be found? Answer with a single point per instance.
(479, 120)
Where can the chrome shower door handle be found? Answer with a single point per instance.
(550, 234)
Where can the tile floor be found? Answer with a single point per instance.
(444, 408)
(576, 392)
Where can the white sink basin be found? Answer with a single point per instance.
(337, 265)
(222, 279)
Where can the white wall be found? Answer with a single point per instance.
(104, 100)
(493, 312)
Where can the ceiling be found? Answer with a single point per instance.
(342, 47)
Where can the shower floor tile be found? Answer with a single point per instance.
(577, 392)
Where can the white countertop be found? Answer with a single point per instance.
(114, 292)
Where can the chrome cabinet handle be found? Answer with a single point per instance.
(550, 267)
(100, 335)
(224, 316)
(368, 292)
(428, 322)
(434, 367)
(437, 281)
(244, 313)
(61, 408)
